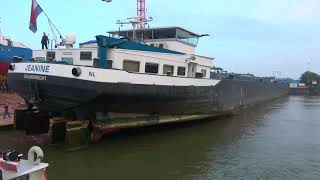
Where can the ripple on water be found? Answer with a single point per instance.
(276, 140)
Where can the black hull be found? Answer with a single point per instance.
(57, 94)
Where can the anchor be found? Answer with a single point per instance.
(35, 98)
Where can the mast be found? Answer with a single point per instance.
(51, 23)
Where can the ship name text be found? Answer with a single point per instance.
(38, 68)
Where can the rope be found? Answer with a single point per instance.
(52, 30)
(50, 22)
(53, 34)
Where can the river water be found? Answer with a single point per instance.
(275, 140)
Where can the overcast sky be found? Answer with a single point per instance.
(247, 36)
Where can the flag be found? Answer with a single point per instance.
(35, 12)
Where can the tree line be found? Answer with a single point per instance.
(308, 77)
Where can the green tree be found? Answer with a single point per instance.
(308, 76)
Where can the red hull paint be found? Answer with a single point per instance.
(4, 67)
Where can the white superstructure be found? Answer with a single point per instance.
(184, 64)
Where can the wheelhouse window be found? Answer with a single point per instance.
(152, 68)
(40, 59)
(181, 71)
(204, 72)
(67, 60)
(168, 70)
(86, 55)
(187, 37)
(131, 66)
(109, 64)
(51, 56)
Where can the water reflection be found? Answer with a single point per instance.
(275, 140)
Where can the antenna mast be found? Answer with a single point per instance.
(138, 22)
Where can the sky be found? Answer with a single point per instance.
(263, 37)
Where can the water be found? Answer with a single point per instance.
(277, 140)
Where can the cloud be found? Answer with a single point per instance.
(267, 11)
(290, 11)
(307, 10)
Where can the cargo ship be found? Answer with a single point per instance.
(151, 71)
(8, 51)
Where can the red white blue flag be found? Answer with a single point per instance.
(35, 12)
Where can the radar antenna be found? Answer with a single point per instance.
(135, 22)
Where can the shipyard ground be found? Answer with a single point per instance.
(6, 123)
(14, 101)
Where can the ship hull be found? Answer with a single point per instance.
(59, 94)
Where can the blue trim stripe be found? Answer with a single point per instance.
(109, 42)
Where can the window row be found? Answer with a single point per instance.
(84, 55)
(51, 55)
(152, 68)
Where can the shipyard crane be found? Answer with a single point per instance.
(141, 13)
